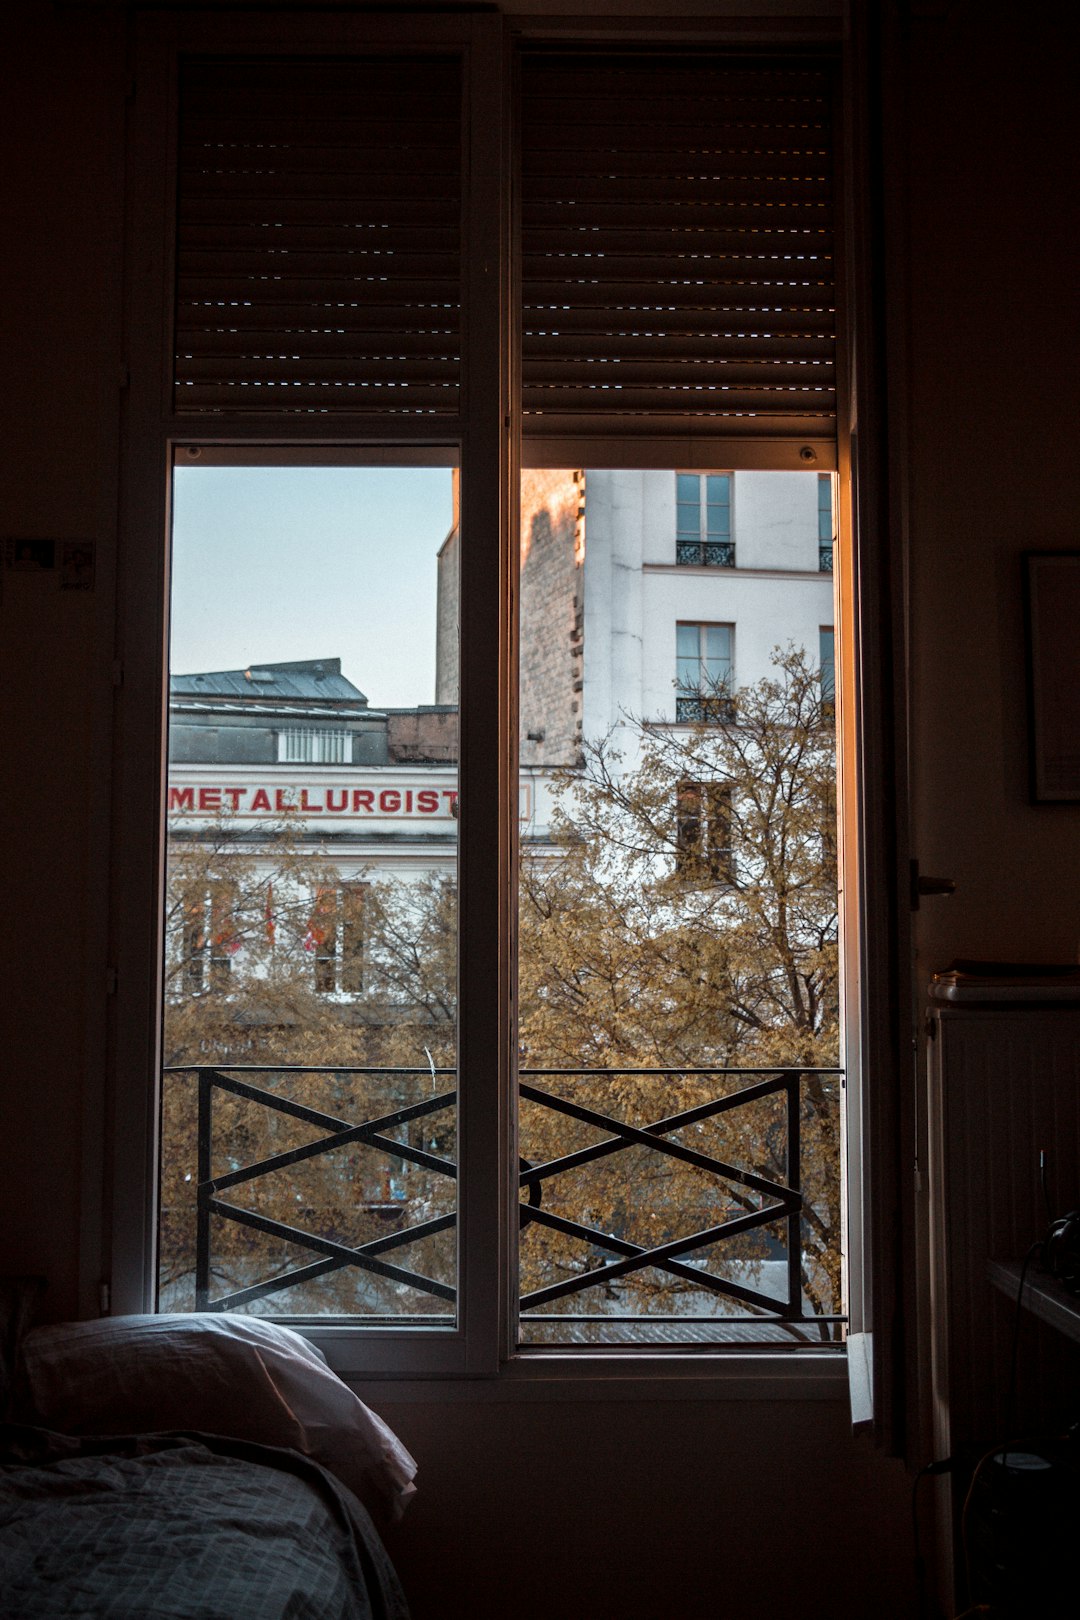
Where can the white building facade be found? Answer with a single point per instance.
(692, 580)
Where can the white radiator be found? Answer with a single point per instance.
(1004, 1084)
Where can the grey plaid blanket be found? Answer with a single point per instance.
(185, 1527)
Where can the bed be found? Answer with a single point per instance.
(192, 1466)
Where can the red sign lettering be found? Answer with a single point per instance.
(309, 801)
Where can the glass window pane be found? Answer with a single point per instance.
(717, 653)
(688, 506)
(648, 864)
(827, 660)
(826, 526)
(310, 950)
(718, 518)
(688, 655)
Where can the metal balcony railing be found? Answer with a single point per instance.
(704, 708)
(740, 1197)
(705, 553)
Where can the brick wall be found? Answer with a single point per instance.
(423, 736)
(552, 616)
(552, 550)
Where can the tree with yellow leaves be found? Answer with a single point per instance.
(682, 923)
(686, 920)
(320, 1004)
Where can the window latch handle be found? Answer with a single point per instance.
(921, 885)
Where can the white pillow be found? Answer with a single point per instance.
(232, 1375)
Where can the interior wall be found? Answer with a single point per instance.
(63, 111)
(993, 470)
(651, 1510)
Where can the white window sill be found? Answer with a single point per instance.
(798, 1376)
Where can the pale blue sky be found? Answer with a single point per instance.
(278, 563)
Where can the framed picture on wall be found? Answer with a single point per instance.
(1052, 590)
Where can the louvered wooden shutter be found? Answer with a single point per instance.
(677, 246)
(318, 237)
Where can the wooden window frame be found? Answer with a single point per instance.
(487, 437)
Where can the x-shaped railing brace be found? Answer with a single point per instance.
(664, 1256)
(337, 1255)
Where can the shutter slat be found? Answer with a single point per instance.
(318, 237)
(778, 399)
(730, 319)
(716, 212)
(436, 290)
(688, 170)
(287, 369)
(677, 249)
(273, 166)
(307, 211)
(300, 262)
(623, 244)
(681, 263)
(625, 300)
(749, 374)
(212, 345)
(347, 396)
(417, 322)
(547, 348)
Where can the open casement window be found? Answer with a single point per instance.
(689, 277)
(369, 239)
(678, 311)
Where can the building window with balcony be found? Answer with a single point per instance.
(703, 673)
(211, 939)
(313, 745)
(335, 940)
(703, 832)
(826, 522)
(703, 520)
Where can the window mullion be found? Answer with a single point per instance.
(487, 832)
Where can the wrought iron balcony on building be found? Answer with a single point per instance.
(824, 557)
(704, 708)
(705, 553)
(716, 1165)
